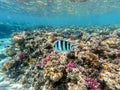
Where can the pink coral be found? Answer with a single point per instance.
(18, 38)
(44, 62)
(21, 55)
(93, 84)
(70, 66)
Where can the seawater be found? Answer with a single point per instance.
(29, 15)
(18, 15)
(18, 22)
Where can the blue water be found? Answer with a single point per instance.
(23, 15)
(28, 21)
(20, 15)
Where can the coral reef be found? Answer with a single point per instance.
(18, 38)
(110, 41)
(44, 62)
(92, 59)
(70, 66)
(110, 76)
(7, 66)
(76, 80)
(92, 84)
(10, 52)
(21, 55)
(95, 65)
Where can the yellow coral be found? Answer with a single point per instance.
(110, 41)
(78, 86)
(49, 63)
(57, 76)
(31, 61)
(28, 45)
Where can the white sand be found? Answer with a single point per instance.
(5, 82)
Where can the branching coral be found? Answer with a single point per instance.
(47, 58)
(76, 80)
(92, 59)
(21, 55)
(110, 74)
(92, 84)
(70, 66)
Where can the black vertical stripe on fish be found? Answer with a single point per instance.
(57, 45)
(62, 44)
(66, 45)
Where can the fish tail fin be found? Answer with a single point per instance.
(75, 47)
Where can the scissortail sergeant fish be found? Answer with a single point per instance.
(64, 46)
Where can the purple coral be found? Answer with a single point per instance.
(44, 62)
(21, 55)
(70, 66)
(93, 84)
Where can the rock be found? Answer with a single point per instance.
(2, 78)
(5, 84)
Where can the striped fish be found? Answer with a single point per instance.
(64, 46)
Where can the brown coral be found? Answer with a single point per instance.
(110, 74)
(92, 59)
(7, 66)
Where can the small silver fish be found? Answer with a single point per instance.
(64, 46)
